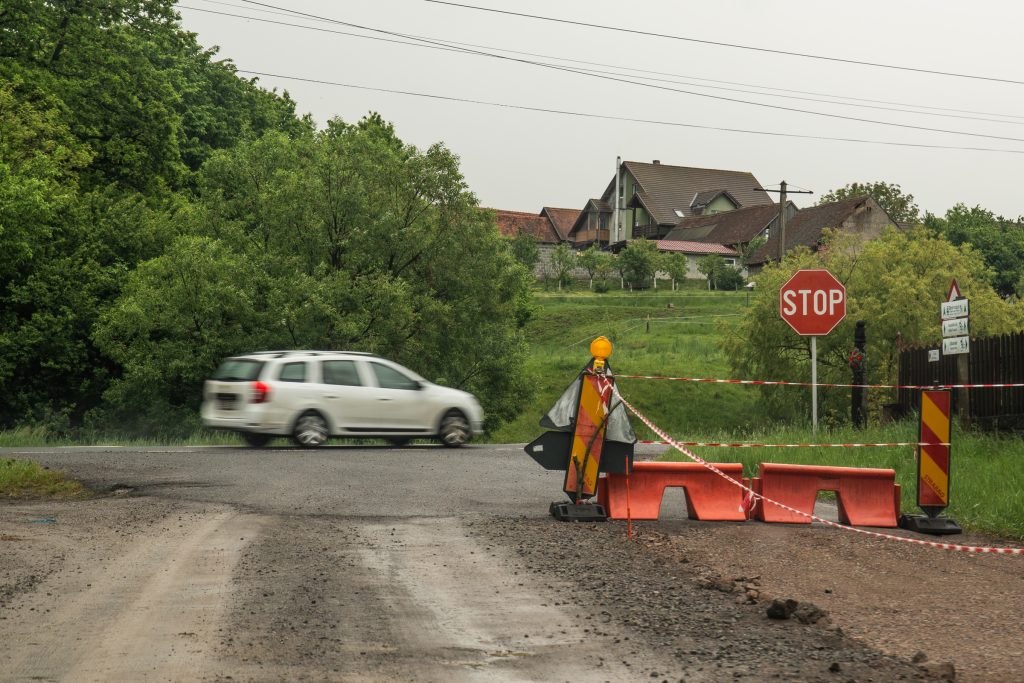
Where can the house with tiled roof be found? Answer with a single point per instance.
(694, 251)
(653, 198)
(857, 215)
(547, 228)
(735, 229)
(536, 225)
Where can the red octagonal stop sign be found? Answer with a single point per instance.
(813, 302)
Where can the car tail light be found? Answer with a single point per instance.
(260, 393)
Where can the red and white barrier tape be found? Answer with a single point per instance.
(752, 495)
(709, 444)
(765, 382)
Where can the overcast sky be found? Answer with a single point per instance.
(523, 160)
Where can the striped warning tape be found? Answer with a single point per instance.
(765, 382)
(752, 495)
(710, 444)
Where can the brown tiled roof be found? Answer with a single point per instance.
(729, 227)
(667, 188)
(562, 219)
(806, 226)
(512, 223)
(695, 247)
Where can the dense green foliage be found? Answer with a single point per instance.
(637, 262)
(158, 212)
(895, 283)
(898, 204)
(999, 240)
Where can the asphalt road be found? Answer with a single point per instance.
(350, 481)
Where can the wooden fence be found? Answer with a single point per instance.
(993, 360)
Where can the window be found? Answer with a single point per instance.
(238, 370)
(293, 372)
(604, 221)
(730, 262)
(678, 213)
(341, 372)
(389, 378)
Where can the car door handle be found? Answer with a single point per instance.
(384, 398)
(330, 397)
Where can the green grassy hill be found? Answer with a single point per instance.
(653, 332)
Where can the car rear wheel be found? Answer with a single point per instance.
(254, 440)
(310, 430)
(454, 430)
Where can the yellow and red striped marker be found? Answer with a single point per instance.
(933, 458)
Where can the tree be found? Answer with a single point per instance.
(729, 278)
(748, 250)
(637, 262)
(1000, 241)
(595, 262)
(525, 250)
(346, 238)
(711, 267)
(895, 282)
(562, 260)
(676, 265)
(898, 204)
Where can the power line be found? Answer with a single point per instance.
(936, 113)
(626, 119)
(647, 85)
(730, 45)
(611, 66)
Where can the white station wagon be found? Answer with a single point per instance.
(314, 395)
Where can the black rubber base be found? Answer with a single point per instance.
(936, 526)
(584, 512)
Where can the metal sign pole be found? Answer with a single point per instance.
(814, 384)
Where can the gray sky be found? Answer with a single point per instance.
(524, 160)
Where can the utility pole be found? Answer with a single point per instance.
(782, 213)
(615, 201)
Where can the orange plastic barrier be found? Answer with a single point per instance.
(709, 497)
(865, 497)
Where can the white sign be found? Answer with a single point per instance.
(955, 345)
(955, 309)
(957, 327)
(933, 355)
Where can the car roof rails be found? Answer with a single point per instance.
(306, 352)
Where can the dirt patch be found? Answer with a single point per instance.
(903, 599)
(116, 589)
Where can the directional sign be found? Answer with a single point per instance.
(812, 302)
(957, 327)
(955, 345)
(955, 309)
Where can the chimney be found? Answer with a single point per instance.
(657, 161)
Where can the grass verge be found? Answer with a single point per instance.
(986, 471)
(25, 479)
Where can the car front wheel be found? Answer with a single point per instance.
(310, 430)
(454, 430)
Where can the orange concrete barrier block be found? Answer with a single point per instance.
(709, 496)
(865, 496)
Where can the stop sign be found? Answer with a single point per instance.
(813, 302)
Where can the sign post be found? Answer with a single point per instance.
(813, 302)
(956, 340)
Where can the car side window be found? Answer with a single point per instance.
(389, 378)
(293, 372)
(342, 372)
